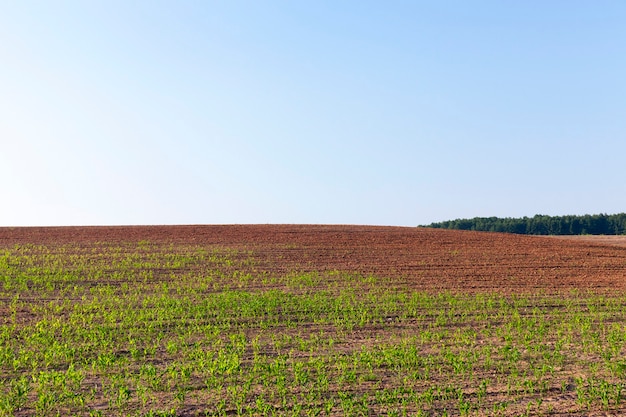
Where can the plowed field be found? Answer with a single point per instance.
(309, 320)
(425, 259)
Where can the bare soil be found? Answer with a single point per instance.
(426, 259)
(617, 240)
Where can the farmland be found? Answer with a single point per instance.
(298, 320)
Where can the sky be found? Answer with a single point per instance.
(320, 112)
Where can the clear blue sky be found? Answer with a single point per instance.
(359, 112)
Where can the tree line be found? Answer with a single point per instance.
(589, 224)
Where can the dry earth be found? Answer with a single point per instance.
(600, 240)
(428, 259)
(424, 259)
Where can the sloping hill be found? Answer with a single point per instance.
(428, 259)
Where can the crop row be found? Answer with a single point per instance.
(181, 330)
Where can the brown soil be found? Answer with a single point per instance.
(619, 240)
(426, 259)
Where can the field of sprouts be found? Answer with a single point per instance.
(297, 320)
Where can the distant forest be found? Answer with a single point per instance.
(589, 224)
